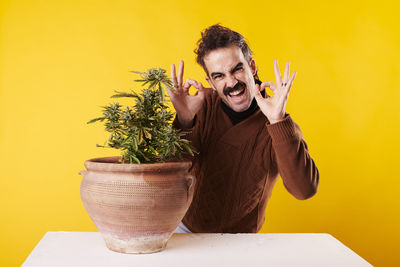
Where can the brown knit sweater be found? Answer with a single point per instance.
(238, 166)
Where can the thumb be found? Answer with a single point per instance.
(199, 86)
(257, 93)
(200, 89)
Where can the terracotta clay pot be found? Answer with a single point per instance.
(136, 207)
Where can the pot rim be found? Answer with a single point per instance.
(110, 164)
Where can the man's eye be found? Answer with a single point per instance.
(217, 77)
(238, 68)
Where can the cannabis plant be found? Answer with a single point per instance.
(143, 132)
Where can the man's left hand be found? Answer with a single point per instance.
(274, 106)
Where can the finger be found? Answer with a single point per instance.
(290, 82)
(193, 83)
(257, 93)
(277, 73)
(269, 84)
(200, 89)
(286, 74)
(173, 76)
(180, 73)
(199, 86)
(188, 84)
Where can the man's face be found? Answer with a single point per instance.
(231, 76)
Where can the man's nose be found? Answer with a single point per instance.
(231, 81)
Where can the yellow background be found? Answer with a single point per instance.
(61, 60)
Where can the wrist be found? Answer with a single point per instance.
(185, 122)
(275, 120)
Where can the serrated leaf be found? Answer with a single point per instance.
(178, 145)
(123, 94)
(96, 119)
(188, 149)
(143, 155)
(167, 83)
(137, 72)
(185, 141)
(161, 92)
(152, 84)
(135, 145)
(136, 159)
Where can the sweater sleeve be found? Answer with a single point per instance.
(298, 171)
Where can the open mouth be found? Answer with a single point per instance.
(236, 91)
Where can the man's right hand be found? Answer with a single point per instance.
(185, 104)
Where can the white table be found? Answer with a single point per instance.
(88, 249)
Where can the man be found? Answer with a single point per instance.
(244, 137)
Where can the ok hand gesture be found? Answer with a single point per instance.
(185, 104)
(274, 107)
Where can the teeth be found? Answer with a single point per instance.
(236, 92)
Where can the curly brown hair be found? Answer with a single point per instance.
(217, 36)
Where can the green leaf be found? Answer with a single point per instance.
(124, 94)
(97, 119)
(161, 92)
(143, 155)
(137, 72)
(136, 159)
(152, 84)
(135, 145)
(188, 148)
(176, 144)
(152, 150)
(140, 139)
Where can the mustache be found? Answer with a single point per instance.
(237, 86)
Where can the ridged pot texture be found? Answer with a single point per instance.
(136, 207)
